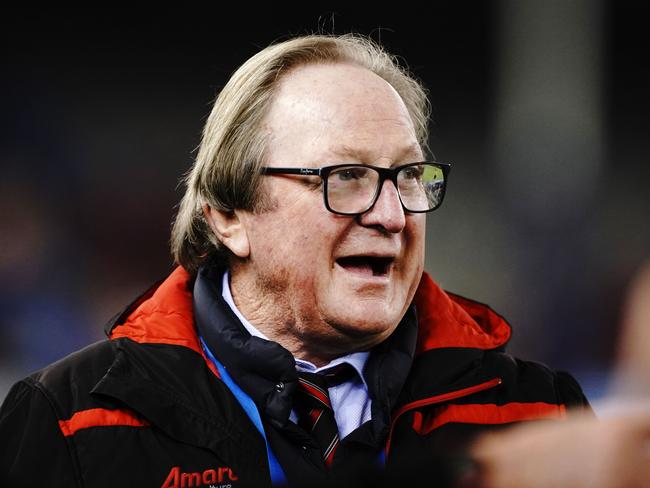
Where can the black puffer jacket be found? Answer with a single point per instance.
(147, 409)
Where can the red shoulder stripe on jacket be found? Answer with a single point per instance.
(486, 414)
(100, 417)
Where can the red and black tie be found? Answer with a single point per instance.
(314, 410)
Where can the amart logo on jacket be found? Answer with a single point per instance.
(210, 478)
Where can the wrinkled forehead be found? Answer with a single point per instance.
(339, 110)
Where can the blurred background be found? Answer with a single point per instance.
(541, 106)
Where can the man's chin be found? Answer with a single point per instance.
(365, 327)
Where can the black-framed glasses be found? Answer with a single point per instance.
(352, 189)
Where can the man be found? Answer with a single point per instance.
(300, 242)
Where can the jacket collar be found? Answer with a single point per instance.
(448, 320)
(452, 334)
(263, 369)
(267, 371)
(164, 314)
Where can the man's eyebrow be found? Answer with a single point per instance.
(367, 156)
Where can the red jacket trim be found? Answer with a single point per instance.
(485, 414)
(443, 397)
(447, 320)
(167, 317)
(99, 417)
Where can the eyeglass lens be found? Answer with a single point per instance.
(353, 189)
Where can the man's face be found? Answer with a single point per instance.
(331, 283)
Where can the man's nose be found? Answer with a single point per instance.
(387, 211)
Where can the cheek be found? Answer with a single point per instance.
(414, 266)
(416, 233)
(298, 245)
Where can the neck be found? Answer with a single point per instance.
(271, 311)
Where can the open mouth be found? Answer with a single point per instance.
(366, 265)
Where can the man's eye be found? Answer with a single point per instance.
(412, 173)
(350, 174)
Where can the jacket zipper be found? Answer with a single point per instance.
(452, 395)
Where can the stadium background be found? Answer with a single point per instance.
(541, 107)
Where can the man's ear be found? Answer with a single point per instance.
(229, 229)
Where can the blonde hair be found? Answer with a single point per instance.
(226, 173)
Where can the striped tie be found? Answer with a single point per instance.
(314, 410)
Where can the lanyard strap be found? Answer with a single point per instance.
(278, 477)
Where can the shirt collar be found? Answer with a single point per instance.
(227, 296)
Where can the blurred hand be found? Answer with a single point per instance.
(582, 452)
(610, 452)
(633, 363)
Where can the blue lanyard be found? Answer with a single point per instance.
(278, 477)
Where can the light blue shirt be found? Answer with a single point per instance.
(350, 400)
